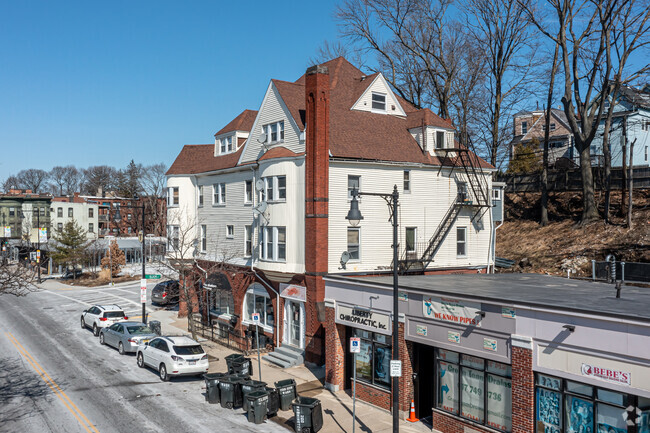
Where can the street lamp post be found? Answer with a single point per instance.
(354, 216)
(38, 248)
(144, 251)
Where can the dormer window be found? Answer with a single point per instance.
(378, 101)
(524, 127)
(440, 139)
(274, 132)
(226, 145)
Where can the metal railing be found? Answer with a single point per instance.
(613, 271)
(220, 332)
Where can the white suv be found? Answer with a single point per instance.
(102, 316)
(174, 356)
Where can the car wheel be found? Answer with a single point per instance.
(101, 339)
(163, 373)
(95, 330)
(229, 405)
(120, 348)
(83, 323)
(140, 360)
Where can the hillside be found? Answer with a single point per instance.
(562, 244)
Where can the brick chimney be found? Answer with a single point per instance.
(317, 99)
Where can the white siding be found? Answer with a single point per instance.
(431, 196)
(184, 215)
(80, 215)
(379, 85)
(272, 110)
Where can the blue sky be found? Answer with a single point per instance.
(92, 83)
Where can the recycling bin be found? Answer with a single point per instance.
(212, 386)
(230, 391)
(248, 386)
(273, 405)
(230, 358)
(308, 414)
(257, 406)
(287, 391)
(241, 366)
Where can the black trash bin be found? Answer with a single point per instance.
(248, 386)
(154, 325)
(230, 391)
(287, 391)
(273, 405)
(257, 406)
(241, 366)
(231, 358)
(212, 386)
(308, 415)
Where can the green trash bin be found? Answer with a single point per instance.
(287, 391)
(212, 386)
(241, 366)
(248, 386)
(257, 406)
(273, 404)
(308, 415)
(230, 358)
(230, 391)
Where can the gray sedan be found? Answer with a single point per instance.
(126, 336)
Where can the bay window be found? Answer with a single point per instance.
(274, 243)
(275, 188)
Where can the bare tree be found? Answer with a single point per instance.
(32, 179)
(543, 221)
(65, 180)
(10, 183)
(595, 38)
(99, 178)
(16, 279)
(152, 183)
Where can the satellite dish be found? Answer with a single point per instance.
(345, 257)
(259, 185)
(262, 137)
(260, 208)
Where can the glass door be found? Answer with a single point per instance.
(294, 323)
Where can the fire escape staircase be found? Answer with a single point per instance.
(476, 199)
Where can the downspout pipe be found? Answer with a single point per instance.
(257, 276)
(207, 306)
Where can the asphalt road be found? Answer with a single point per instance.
(56, 376)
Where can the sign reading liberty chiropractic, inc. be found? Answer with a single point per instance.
(363, 318)
(452, 310)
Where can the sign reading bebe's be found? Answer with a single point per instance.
(606, 374)
(452, 310)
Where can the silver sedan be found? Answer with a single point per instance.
(126, 336)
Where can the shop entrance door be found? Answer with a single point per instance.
(424, 385)
(294, 331)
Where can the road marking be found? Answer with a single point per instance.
(78, 414)
(93, 291)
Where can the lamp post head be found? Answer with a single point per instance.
(117, 217)
(354, 215)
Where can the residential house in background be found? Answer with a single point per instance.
(264, 207)
(77, 208)
(529, 129)
(631, 120)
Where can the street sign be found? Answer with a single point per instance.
(152, 276)
(140, 236)
(38, 254)
(355, 345)
(256, 318)
(395, 368)
(143, 291)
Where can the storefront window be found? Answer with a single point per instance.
(572, 407)
(258, 301)
(373, 363)
(463, 382)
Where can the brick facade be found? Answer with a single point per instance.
(523, 390)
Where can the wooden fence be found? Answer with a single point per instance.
(571, 180)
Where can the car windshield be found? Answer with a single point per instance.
(139, 330)
(113, 314)
(188, 350)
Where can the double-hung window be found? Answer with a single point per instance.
(91, 212)
(219, 193)
(91, 228)
(440, 139)
(275, 188)
(411, 234)
(200, 195)
(373, 363)
(248, 191)
(59, 212)
(70, 212)
(524, 127)
(173, 199)
(354, 243)
(378, 102)
(248, 241)
(42, 211)
(496, 195)
(226, 145)
(204, 237)
(353, 182)
(274, 132)
(173, 233)
(407, 181)
(461, 387)
(274, 244)
(461, 241)
(230, 231)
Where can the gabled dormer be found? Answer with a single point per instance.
(232, 136)
(433, 133)
(378, 98)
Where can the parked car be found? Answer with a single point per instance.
(72, 273)
(165, 293)
(126, 337)
(173, 356)
(102, 316)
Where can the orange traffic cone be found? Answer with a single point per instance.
(412, 417)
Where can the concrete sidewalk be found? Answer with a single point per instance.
(337, 407)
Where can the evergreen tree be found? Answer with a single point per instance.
(71, 244)
(526, 159)
(114, 259)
